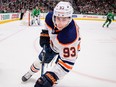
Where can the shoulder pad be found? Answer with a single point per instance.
(68, 34)
(48, 20)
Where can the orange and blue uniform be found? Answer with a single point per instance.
(64, 43)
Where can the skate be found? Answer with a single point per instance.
(26, 77)
(107, 26)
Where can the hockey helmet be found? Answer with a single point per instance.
(63, 9)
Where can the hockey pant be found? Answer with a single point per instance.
(49, 55)
(107, 21)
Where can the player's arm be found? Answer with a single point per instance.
(33, 12)
(68, 55)
(39, 12)
(79, 39)
(44, 36)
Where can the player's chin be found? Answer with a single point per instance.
(60, 28)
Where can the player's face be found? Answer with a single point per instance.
(61, 22)
(36, 7)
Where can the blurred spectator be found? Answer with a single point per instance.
(99, 7)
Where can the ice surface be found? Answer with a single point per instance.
(95, 66)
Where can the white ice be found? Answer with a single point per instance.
(95, 66)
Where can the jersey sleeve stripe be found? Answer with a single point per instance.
(66, 70)
(71, 63)
(66, 66)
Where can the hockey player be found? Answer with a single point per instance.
(35, 15)
(61, 37)
(110, 17)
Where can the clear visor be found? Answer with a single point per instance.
(62, 19)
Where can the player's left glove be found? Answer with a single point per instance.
(46, 80)
(44, 38)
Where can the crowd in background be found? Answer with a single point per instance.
(95, 6)
(99, 7)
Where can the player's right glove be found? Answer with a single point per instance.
(46, 80)
(44, 38)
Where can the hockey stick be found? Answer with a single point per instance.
(43, 58)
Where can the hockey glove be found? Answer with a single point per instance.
(46, 80)
(44, 38)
